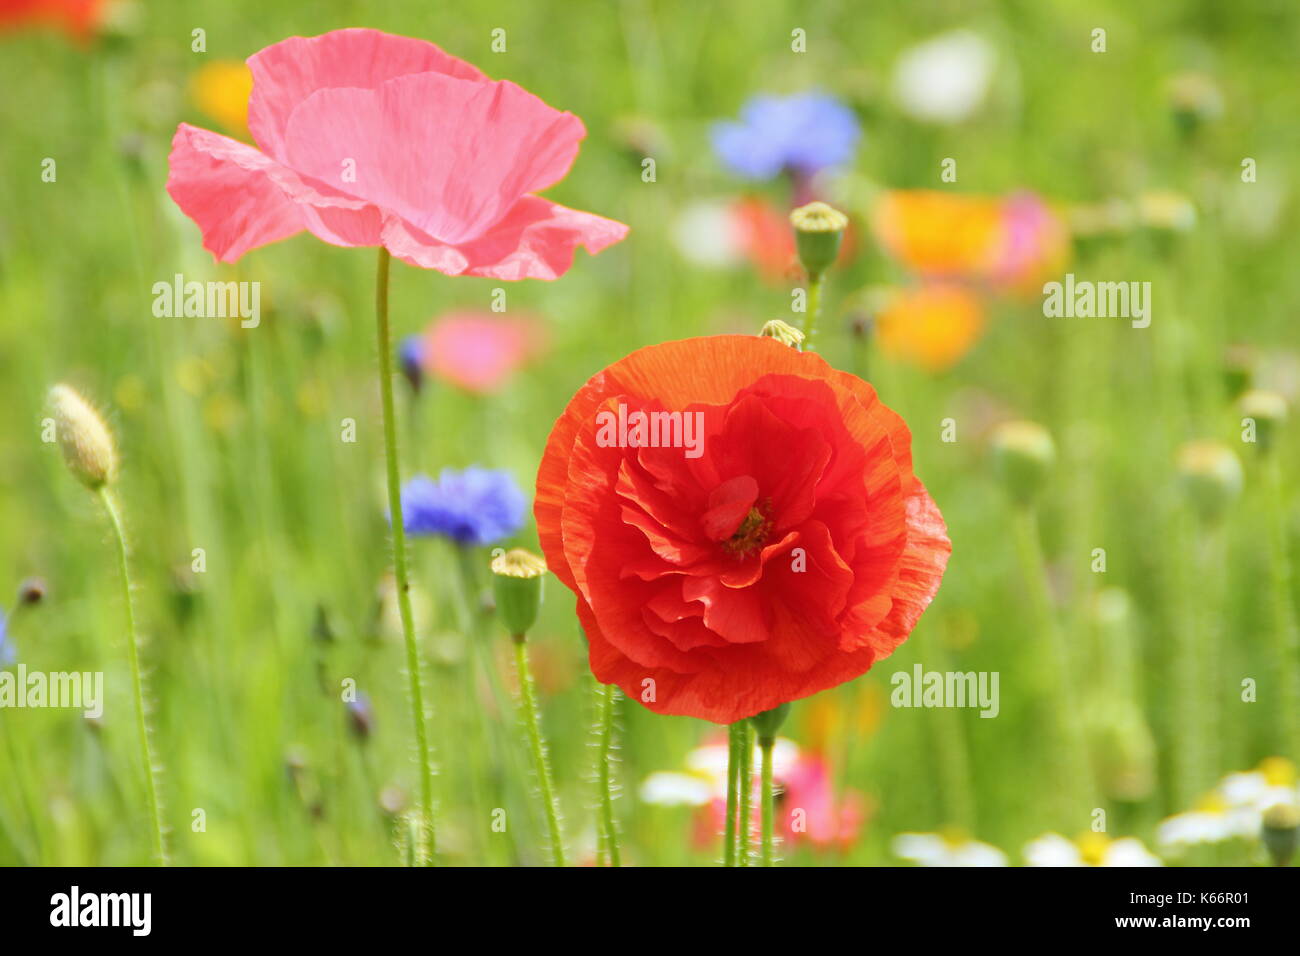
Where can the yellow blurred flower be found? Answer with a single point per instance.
(933, 325)
(221, 89)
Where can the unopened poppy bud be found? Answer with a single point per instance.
(783, 332)
(1281, 832)
(361, 718)
(818, 231)
(85, 440)
(1211, 475)
(517, 584)
(31, 591)
(1268, 411)
(769, 722)
(1023, 456)
(1239, 363)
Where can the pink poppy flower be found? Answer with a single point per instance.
(369, 139)
(478, 352)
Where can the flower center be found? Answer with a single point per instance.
(751, 534)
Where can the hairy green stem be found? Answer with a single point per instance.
(425, 843)
(744, 786)
(1286, 636)
(767, 856)
(735, 734)
(532, 723)
(608, 703)
(1074, 768)
(814, 309)
(151, 768)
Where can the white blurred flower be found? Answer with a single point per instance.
(944, 849)
(707, 234)
(1091, 849)
(705, 778)
(946, 78)
(1233, 809)
(666, 789)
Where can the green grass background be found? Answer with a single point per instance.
(230, 437)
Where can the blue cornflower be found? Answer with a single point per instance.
(806, 133)
(474, 506)
(8, 653)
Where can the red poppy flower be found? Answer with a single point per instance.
(369, 139)
(77, 17)
(767, 542)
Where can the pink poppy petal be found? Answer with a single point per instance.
(288, 72)
(535, 241)
(449, 156)
(240, 199)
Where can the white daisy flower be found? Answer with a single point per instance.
(1090, 849)
(946, 849)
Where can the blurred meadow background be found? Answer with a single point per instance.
(1131, 161)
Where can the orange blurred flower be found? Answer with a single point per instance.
(221, 90)
(933, 325)
(79, 18)
(938, 234)
(1012, 243)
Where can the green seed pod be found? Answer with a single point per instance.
(769, 722)
(818, 231)
(85, 440)
(783, 332)
(1281, 832)
(1212, 477)
(1023, 457)
(517, 583)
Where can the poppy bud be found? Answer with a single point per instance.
(361, 718)
(85, 440)
(1023, 456)
(411, 355)
(818, 231)
(517, 583)
(1239, 363)
(1281, 832)
(769, 722)
(31, 591)
(783, 332)
(1268, 409)
(1211, 475)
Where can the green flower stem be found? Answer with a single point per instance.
(735, 734)
(766, 857)
(605, 744)
(528, 703)
(1188, 726)
(151, 768)
(425, 843)
(744, 786)
(1074, 768)
(814, 309)
(1285, 633)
